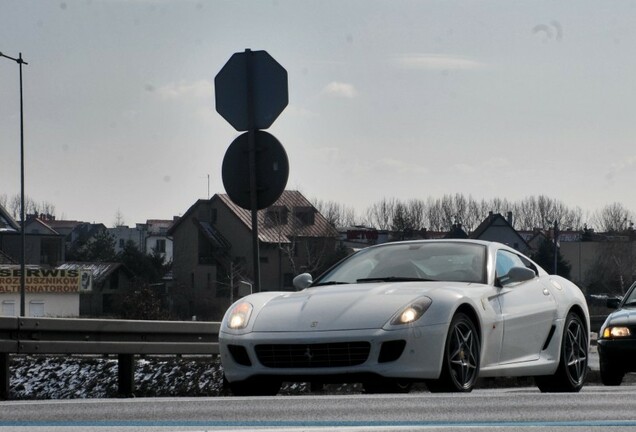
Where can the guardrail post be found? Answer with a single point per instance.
(4, 376)
(126, 374)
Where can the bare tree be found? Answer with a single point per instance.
(380, 214)
(613, 270)
(31, 207)
(3, 200)
(435, 214)
(613, 218)
(119, 219)
(416, 210)
(337, 214)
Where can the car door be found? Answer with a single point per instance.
(528, 310)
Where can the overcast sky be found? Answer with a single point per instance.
(404, 99)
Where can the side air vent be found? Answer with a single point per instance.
(550, 335)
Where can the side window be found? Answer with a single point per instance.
(507, 260)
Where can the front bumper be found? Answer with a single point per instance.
(420, 358)
(618, 353)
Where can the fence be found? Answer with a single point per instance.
(125, 338)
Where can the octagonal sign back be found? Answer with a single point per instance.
(265, 77)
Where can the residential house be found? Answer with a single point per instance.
(123, 234)
(7, 223)
(213, 250)
(157, 239)
(150, 237)
(76, 233)
(43, 245)
(104, 287)
(497, 228)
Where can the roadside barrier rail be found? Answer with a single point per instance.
(125, 338)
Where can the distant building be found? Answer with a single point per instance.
(105, 286)
(48, 292)
(497, 228)
(213, 250)
(150, 237)
(43, 245)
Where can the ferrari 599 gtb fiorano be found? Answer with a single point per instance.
(445, 312)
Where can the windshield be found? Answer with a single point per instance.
(436, 261)
(630, 300)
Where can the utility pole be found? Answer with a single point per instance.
(20, 62)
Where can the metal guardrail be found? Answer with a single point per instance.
(126, 338)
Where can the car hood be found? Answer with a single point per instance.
(622, 316)
(339, 307)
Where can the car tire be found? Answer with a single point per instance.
(572, 370)
(255, 387)
(611, 375)
(462, 351)
(387, 386)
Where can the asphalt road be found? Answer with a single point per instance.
(595, 408)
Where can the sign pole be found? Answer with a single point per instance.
(250, 92)
(251, 143)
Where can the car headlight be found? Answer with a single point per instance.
(412, 312)
(616, 332)
(239, 316)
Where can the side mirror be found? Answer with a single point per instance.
(302, 281)
(517, 274)
(613, 303)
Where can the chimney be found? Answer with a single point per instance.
(509, 217)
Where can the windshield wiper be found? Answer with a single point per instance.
(331, 283)
(394, 279)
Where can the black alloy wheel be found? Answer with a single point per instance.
(461, 357)
(572, 370)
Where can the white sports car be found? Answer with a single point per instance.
(441, 311)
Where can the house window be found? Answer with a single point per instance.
(264, 260)
(305, 215)
(36, 308)
(276, 215)
(160, 246)
(8, 308)
(121, 243)
(207, 214)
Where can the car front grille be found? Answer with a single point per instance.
(313, 355)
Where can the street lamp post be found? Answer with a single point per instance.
(20, 62)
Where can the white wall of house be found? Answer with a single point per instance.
(161, 244)
(41, 304)
(123, 234)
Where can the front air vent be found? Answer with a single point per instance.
(391, 351)
(239, 354)
(327, 355)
